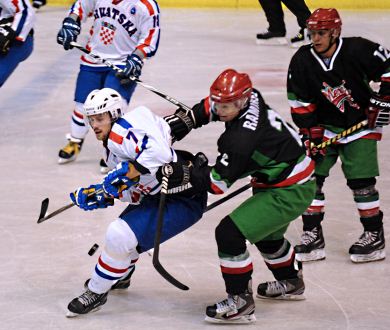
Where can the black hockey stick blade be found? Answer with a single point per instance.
(44, 207)
(60, 210)
(161, 270)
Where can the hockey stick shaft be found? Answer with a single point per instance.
(160, 220)
(343, 134)
(136, 80)
(227, 197)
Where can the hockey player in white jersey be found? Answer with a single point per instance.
(17, 18)
(123, 32)
(138, 144)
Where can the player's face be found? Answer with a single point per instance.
(101, 125)
(321, 40)
(227, 111)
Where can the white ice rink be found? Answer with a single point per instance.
(44, 266)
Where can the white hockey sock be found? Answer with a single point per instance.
(78, 125)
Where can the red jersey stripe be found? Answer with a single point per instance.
(303, 110)
(115, 137)
(149, 6)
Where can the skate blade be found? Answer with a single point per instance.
(314, 255)
(245, 319)
(272, 42)
(70, 314)
(66, 160)
(293, 297)
(374, 256)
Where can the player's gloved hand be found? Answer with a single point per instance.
(116, 180)
(7, 35)
(311, 137)
(378, 112)
(91, 198)
(133, 68)
(181, 123)
(69, 31)
(39, 3)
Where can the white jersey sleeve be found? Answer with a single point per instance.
(20, 14)
(119, 28)
(143, 139)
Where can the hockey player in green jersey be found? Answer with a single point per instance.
(328, 91)
(256, 143)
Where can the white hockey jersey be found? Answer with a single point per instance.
(144, 139)
(20, 14)
(120, 27)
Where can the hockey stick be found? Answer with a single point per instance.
(139, 82)
(343, 134)
(167, 171)
(45, 206)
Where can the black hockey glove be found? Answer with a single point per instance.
(7, 35)
(378, 112)
(311, 137)
(69, 31)
(181, 123)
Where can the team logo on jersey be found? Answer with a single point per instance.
(339, 95)
(132, 11)
(107, 32)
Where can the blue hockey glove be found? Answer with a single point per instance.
(133, 68)
(116, 180)
(69, 31)
(91, 198)
(7, 35)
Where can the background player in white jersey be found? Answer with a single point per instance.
(138, 144)
(328, 91)
(17, 18)
(123, 32)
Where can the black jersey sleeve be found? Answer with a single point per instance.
(302, 104)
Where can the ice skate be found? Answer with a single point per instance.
(289, 289)
(369, 247)
(88, 302)
(104, 169)
(300, 39)
(120, 285)
(271, 38)
(312, 245)
(70, 151)
(236, 309)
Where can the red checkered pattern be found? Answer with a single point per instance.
(106, 35)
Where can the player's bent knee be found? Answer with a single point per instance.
(120, 239)
(355, 184)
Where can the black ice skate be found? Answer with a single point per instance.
(88, 302)
(312, 245)
(121, 284)
(289, 289)
(104, 169)
(236, 309)
(300, 39)
(369, 247)
(271, 38)
(70, 151)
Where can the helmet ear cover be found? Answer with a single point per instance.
(324, 19)
(230, 86)
(104, 100)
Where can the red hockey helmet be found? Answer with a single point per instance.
(230, 86)
(324, 19)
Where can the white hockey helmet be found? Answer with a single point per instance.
(104, 100)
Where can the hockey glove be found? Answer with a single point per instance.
(116, 180)
(133, 68)
(91, 198)
(311, 137)
(68, 33)
(7, 35)
(181, 123)
(39, 3)
(378, 112)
